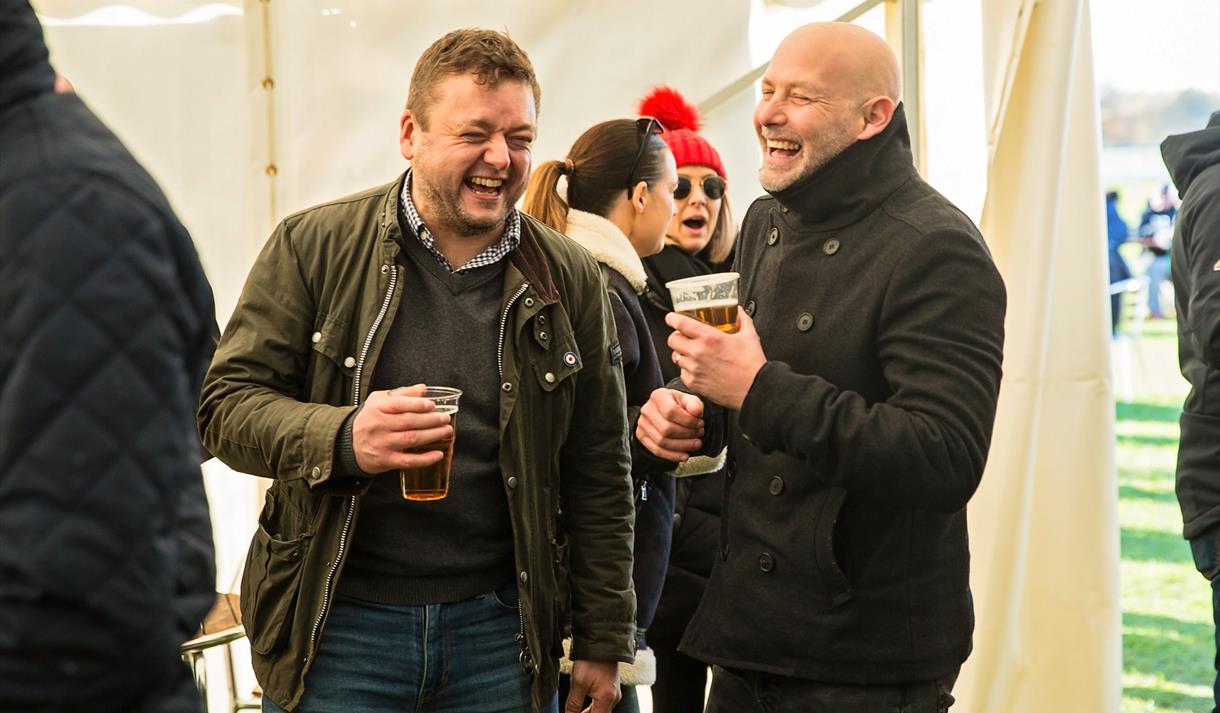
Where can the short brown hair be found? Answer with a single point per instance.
(490, 55)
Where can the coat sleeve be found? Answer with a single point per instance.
(1199, 228)
(940, 346)
(250, 416)
(107, 562)
(596, 487)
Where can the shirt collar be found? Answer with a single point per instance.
(507, 243)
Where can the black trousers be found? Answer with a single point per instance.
(735, 691)
(681, 681)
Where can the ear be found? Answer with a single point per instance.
(877, 113)
(639, 197)
(408, 131)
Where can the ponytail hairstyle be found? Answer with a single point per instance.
(597, 169)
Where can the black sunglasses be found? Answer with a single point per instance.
(647, 125)
(713, 187)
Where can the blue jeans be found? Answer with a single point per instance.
(456, 657)
(1206, 550)
(735, 691)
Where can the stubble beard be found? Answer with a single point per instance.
(817, 153)
(447, 205)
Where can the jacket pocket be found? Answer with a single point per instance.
(332, 341)
(270, 588)
(828, 505)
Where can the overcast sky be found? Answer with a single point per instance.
(1155, 45)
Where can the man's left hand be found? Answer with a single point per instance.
(718, 366)
(597, 680)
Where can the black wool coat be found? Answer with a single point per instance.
(106, 326)
(843, 547)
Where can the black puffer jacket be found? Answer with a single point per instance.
(1193, 160)
(106, 324)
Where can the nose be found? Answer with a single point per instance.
(768, 112)
(496, 154)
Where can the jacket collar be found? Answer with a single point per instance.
(25, 71)
(528, 259)
(608, 245)
(852, 184)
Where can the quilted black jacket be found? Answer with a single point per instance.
(106, 323)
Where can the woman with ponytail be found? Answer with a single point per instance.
(617, 199)
(699, 241)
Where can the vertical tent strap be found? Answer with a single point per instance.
(271, 169)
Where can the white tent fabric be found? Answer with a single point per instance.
(184, 83)
(1043, 525)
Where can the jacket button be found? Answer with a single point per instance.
(541, 320)
(507, 386)
(316, 472)
(777, 485)
(750, 308)
(783, 208)
(349, 362)
(830, 247)
(385, 269)
(512, 482)
(543, 336)
(773, 236)
(804, 322)
(529, 301)
(765, 562)
(550, 378)
(724, 552)
(524, 577)
(317, 337)
(677, 519)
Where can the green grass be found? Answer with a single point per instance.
(1167, 625)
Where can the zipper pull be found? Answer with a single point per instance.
(644, 491)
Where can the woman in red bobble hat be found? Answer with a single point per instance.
(699, 241)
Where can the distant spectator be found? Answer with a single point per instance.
(1194, 162)
(106, 560)
(1155, 234)
(1117, 232)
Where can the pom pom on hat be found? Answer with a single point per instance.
(681, 121)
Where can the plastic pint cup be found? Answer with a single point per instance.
(431, 482)
(711, 299)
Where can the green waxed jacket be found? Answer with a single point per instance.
(296, 359)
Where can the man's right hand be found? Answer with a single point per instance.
(671, 424)
(390, 422)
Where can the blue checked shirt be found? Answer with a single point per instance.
(494, 253)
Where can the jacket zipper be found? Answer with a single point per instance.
(524, 658)
(351, 500)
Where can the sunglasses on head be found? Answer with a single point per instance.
(647, 125)
(713, 187)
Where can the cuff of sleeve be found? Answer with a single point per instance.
(701, 465)
(345, 452)
(619, 646)
(760, 418)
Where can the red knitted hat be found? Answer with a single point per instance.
(681, 122)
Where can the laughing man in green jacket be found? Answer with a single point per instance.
(354, 598)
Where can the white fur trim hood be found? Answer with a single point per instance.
(608, 244)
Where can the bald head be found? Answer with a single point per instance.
(829, 85)
(845, 60)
